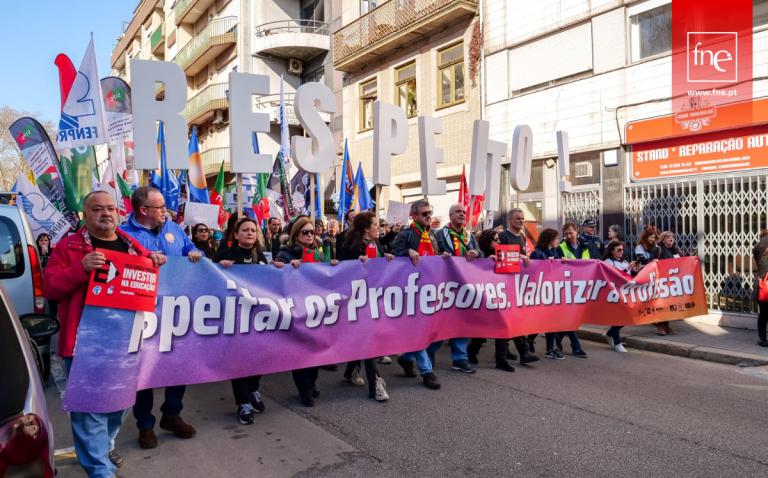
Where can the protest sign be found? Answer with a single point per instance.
(219, 324)
(124, 282)
(197, 212)
(507, 258)
(398, 212)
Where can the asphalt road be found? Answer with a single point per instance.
(613, 415)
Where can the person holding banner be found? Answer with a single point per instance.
(66, 280)
(301, 247)
(361, 244)
(614, 255)
(149, 225)
(666, 250)
(453, 240)
(414, 242)
(274, 225)
(245, 250)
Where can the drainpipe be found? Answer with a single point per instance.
(482, 65)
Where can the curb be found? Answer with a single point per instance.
(679, 349)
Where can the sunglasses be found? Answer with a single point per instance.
(619, 249)
(426, 213)
(202, 229)
(308, 232)
(496, 239)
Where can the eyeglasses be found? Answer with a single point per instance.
(202, 229)
(156, 207)
(496, 239)
(426, 213)
(618, 249)
(308, 232)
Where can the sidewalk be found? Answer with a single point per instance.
(693, 340)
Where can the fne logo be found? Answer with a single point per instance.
(713, 57)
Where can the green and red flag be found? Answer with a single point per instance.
(217, 196)
(260, 199)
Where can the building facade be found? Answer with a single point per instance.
(601, 70)
(209, 39)
(414, 54)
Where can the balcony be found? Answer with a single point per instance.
(188, 11)
(394, 24)
(203, 104)
(207, 45)
(299, 39)
(212, 159)
(271, 104)
(158, 39)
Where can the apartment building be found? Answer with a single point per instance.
(209, 39)
(415, 54)
(602, 71)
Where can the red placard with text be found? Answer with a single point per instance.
(507, 259)
(124, 282)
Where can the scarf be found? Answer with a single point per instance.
(371, 249)
(460, 241)
(310, 255)
(425, 243)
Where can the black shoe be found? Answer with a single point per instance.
(762, 342)
(473, 359)
(430, 381)
(245, 414)
(505, 366)
(408, 368)
(431, 359)
(116, 459)
(308, 401)
(463, 366)
(315, 392)
(330, 367)
(511, 356)
(256, 403)
(559, 344)
(532, 346)
(579, 353)
(528, 358)
(553, 354)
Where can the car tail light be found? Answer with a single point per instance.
(24, 448)
(37, 280)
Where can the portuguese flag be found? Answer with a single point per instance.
(217, 196)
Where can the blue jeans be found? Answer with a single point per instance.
(422, 360)
(613, 333)
(94, 435)
(142, 410)
(575, 344)
(458, 348)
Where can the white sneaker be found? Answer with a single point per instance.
(608, 339)
(356, 378)
(385, 360)
(620, 348)
(381, 393)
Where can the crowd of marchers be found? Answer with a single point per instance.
(148, 231)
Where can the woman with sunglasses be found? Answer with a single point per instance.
(361, 243)
(201, 238)
(301, 247)
(613, 255)
(487, 242)
(245, 250)
(666, 250)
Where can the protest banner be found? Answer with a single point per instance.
(197, 212)
(398, 212)
(125, 282)
(274, 320)
(42, 215)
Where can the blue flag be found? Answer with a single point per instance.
(164, 180)
(198, 188)
(347, 193)
(362, 198)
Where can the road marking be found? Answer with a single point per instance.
(64, 453)
(760, 372)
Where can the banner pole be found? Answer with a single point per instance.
(239, 192)
(118, 196)
(312, 199)
(469, 212)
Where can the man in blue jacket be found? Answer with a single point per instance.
(150, 227)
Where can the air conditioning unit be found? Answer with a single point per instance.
(218, 117)
(295, 67)
(583, 170)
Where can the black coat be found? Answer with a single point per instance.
(291, 253)
(344, 253)
(236, 254)
(664, 252)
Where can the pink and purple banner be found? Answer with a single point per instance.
(212, 324)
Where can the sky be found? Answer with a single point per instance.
(33, 32)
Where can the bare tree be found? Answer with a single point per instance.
(11, 159)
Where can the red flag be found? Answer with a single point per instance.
(477, 207)
(463, 189)
(67, 75)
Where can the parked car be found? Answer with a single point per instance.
(26, 436)
(20, 271)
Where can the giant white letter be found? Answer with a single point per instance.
(430, 156)
(563, 162)
(147, 111)
(320, 136)
(477, 167)
(243, 122)
(496, 151)
(522, 155)
(390, 136)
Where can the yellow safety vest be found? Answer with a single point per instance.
(569, 254)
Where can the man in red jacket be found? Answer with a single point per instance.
(66, 280)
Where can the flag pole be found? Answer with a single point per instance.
(312, 199)
(114, 180)
(469, 213)
(239, 192)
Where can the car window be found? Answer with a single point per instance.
(11, 250)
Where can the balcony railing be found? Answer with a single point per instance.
(383, 21)
(212, 159)
(158, 37)
(223, 30)
(292, 26)
(213, 97)
(180, 8)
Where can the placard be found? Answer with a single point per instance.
(197, 212)
(507, 259)
(398, 212)
(124, 282)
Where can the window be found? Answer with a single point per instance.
(11, 250)
(405, 89)
(651, 31)
(366, 6)
(759, 13)
(450, 81)
(367, 97)
(315, 77)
